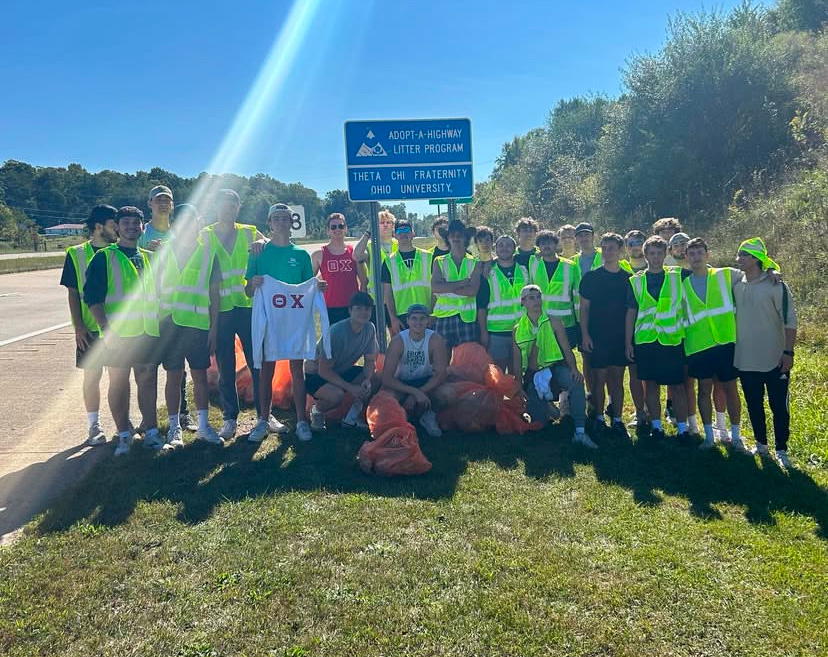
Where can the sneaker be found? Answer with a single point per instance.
(274, 426)
(360, 424)
(657, 434)
(428, 421)
(584, 439)
(96, 435)
(563, 403)
(228, 430)
(721, 434)
(124, 445)
(684, 438)
(782, 458)
(554, 411)
(209, 435)
(352, 416)
(174, 439)
(152, 440)
(761, 450)
(670, 416)
(186, 422)
(708, 443)
(638, 422)
(619, 428)
(303, 431)
(317, 419)
(739, 446)
(259, 432)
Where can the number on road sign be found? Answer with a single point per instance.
(297, 221)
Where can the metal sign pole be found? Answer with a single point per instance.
(452, 210)
(376, 275)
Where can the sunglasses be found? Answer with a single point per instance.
(635, 243)
(337, 226)
(403, 230)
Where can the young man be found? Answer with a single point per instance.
(284, 261)
(634, 247)
(765, 335)
(103, 231)
(336, 262)
(415, 366)
(484, 242)
(363, 250)
(498, 302)
(710, 336)
(455, 280)
(439, 231)
(526, 230)
(603, 325)
(666, 227)
(677, 247)
(189, 308)
(566, 238)
(589, 257)
(406, 277)
(229, 243)
(120, 291)
(157, 230)
(654, 333)
(543, 359)
(328, 379)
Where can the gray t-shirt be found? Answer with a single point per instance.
(347, 347)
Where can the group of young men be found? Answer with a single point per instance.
(651, 305)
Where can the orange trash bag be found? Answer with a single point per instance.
(335, 414)
(513, 418)
(471, 406)
(506, 384)
(469, 362)
(282, 385)
(384, 412)
(395, 452)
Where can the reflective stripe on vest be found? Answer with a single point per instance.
(712, 322)
(131, 303)
(658, 320)
(448, 303)
(383, 258)
(410, 285)
(504, 308)
(80, 256)
(233, 265)
(559, 292)
(527, 335)
(186, 293)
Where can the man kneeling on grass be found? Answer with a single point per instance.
(543, 359)
(415, 366)
(327, 380)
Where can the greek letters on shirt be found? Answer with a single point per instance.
(333, 266)
(281, 300)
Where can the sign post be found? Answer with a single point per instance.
(376, 274)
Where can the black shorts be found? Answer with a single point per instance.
(180, 343)
(338, 314)
(608, 351)
(313, 381)
(136, 351)
(417, 383)
(716, 362)
(660, 363)
(573, 334)
(84, 359)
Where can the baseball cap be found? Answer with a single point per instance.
(277, 207)
(529, 289)
(417, 308)
(584, 227)
(679, 238)
(225, 194)
(158, 190)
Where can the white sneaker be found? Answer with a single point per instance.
(738, 445)
(228, 430)
(721, 434)
(152, 440)
(124, 445)
(259, 432)
(186, 422)
(782, 458)
(428, 421)
(709, 443)
(317, 419)
(209, 435)
(583, 439)
(96, 435)
(761, 450)
(174, 439)
(274, 426)
(352, 416)
(563, 403)
(303, 431)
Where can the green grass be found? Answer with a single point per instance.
(510, 546)
(16, 265)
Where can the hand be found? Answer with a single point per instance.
(257, 281)
(785, 363)
(422, 399)
(154, 245)
(576, 375)
(82, 338)
(257, 247)
(586, 343)
(322, 285)
(396, 325)
(630, 353)
(212, 336)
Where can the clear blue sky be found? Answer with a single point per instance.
(129, 86)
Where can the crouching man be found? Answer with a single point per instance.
(543, 360)
(415, 366)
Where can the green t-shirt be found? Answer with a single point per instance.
(288, 264)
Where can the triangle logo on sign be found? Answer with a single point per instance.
(371, 151)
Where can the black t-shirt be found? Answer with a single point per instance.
(437, 252)
(654, 283)
(96, 275)
(408, 259)
(522, 257)
(607, 295)
(68, 278)
(550, 268)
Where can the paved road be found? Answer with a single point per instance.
(15, 256)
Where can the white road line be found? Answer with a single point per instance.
(3, 343)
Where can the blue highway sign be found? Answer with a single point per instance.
(411, 159)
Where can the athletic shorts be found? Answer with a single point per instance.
(456, 331)
(136, 351)
(716, 362)
(573, 334)
(417, 383)
(500, 347)
(180, 343)
(660, 363)
(313, 381)
(608, 351)
(337, 314)
(84, 359)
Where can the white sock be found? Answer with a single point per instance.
(681, 427)
(693, 422)
(92, 418)
(202, 418)
(735, 432)
(721, 422)
(657, 424)
(174, 423)
(708, 432)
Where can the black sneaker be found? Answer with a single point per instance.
(685, 438)
(620, 430)
(657, 434)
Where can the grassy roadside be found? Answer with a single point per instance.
(17, 265)
(510, 546)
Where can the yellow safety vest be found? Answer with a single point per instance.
(383, 258)
(185, 291)
(527, 335)
(410, 285)
(131, 303)
(659, 320)
(80, 256)
(504, 308)
(713, 321)
(448, 303)
(233, 265)
(560, 293)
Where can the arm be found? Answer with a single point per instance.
(100, 316)
(327, 372)
(81, 334)
(439, 285)
(586, 340)
(361, 247)
(566, 348)
(362, 276)
(316, 262)
(629, 332)
(391, 307)
(517, 361)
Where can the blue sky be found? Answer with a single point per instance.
(129, 86)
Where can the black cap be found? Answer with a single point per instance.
(584, 227)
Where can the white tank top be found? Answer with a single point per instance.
(415, 362)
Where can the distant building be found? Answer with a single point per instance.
(65, 229)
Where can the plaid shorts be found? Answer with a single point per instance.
(456, 331)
